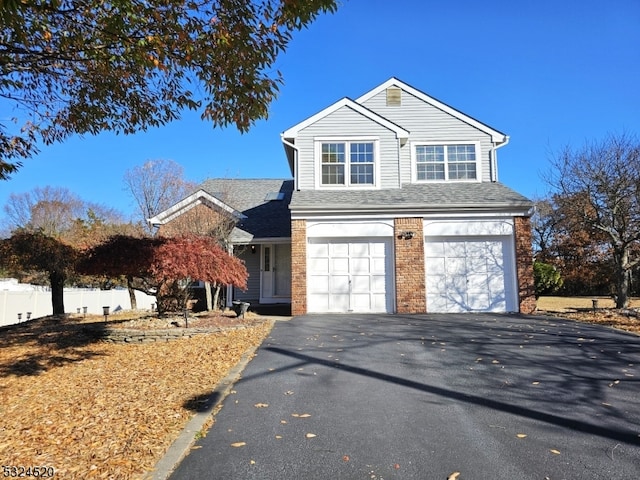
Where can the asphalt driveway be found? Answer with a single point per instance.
(425, 396)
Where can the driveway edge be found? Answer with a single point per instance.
(181, 445)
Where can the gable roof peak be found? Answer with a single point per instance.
(496, 136)
(354, 105)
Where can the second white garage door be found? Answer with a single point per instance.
(469, 274)
(349, 275)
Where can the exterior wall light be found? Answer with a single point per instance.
(408, 235)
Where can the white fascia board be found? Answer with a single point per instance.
(496, 136)
(261, 240)
(292, 132)
(183, 206)
(424, 211)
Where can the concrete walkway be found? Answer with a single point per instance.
(425, 396)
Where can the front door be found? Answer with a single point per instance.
(275, 268)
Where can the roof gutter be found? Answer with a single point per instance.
(494, 158)
(295, 160)
(518, 208)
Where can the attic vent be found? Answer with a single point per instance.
(394, 97)
(274, 196)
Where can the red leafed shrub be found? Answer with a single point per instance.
(198, 258)
(158, 265)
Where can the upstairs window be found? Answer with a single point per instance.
(446, 162)
(347, 163)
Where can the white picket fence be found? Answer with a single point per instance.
(37, 303)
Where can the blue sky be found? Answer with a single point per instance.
(548, 73)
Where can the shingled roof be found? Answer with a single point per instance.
(416, 198)
(267, 214)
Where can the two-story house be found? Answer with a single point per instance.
(395, 206)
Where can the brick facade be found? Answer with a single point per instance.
(524, 265)
(298, 267)
(409, 265)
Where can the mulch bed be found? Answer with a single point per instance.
(92, 409)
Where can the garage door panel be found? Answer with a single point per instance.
(477, 265)
(358, 272)
(360, 301)
(319, 284)
(478, 301)
(379, 249)
(434, 249)
(466, 274)
(318, 250)
(379, 265)
(339, 265)
(339, 249)
(455, 249)
(359, 249)
(339, 284)
(319, 265)
(360, 265)
(360, 284)
(378, 283)
(455, 265)
(436, 266)
(476, 283)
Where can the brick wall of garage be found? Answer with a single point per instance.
(409, 265)
(298, 267)
(524, 265)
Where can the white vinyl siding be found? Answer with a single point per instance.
(347, 124)
(428, 124)
(252, 264)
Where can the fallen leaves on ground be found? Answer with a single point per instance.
(91, 408)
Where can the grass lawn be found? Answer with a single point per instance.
(581, 308)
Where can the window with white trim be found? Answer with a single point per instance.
(446, 162)
(345, 163)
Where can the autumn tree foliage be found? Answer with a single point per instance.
(579, 254)
(33, 250)
(161, 266)
(597, 200)
(80, 66)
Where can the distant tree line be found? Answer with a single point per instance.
(586, 232)
(57, 239)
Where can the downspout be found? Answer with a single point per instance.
(295, 161)
(229, 302)
(494, 159)
(400, 163)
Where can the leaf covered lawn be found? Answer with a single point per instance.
(92, 409)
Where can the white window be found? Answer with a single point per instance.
(440, 162)
(347, 163)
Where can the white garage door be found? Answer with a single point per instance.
(350, 275)
(465, 274)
